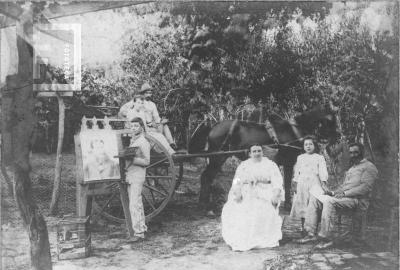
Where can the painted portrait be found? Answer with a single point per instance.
(99, 148)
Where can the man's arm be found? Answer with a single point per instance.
(145, 161)
(236, 188)
(368, 177)
(277, 185)
(154, 113)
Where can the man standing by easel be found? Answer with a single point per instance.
(135, 178)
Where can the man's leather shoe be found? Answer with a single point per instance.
(324, 244)
(134, 239)
(211, 214)
(307, 239)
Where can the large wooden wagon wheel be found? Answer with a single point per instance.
(157, 190)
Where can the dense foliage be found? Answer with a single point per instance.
(288, 59)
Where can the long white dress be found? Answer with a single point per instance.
(310, 170)
(253, 221)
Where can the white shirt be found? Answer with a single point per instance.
(151, 112)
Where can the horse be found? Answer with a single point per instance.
(284, 135)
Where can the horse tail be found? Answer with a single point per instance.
(199, 140)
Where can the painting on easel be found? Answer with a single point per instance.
(99, 148)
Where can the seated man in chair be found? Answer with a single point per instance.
(354, 193)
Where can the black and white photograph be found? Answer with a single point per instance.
(201, 135)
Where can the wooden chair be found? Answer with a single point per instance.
(357, 216)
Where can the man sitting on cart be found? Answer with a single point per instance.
(136, 108)
(152, 117)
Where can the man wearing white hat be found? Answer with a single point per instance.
(136, 109)
(153, 119)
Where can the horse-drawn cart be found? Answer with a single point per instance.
(164, 174)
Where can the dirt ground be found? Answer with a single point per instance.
(181, 237)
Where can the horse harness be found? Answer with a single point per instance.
(271, 132)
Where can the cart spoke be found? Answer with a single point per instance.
(108, 201)
(112, 185)
(162, 186)
(148, 201)
(104, 206)
(156, 190)
(156, 163)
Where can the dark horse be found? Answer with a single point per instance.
(278, 133)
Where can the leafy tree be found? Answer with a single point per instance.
(289, 58)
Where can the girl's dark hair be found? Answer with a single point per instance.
(314, 141)
(253, 144)
(138, 120)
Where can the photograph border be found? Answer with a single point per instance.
(76, 85)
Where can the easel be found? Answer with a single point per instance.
(86, 190)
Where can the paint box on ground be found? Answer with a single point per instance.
(73, 238)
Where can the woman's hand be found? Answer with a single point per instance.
(339, 194)
(294, 186)
(237, 193)
(276, 197)
(325, 187)
(238, 198)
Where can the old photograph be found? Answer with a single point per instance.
(204, 135)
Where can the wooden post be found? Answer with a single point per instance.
(82, 206)
(57, 174)
(21, 125)
(124, 194)
(125, 206)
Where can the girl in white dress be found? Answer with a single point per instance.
(310, 178)
(250, 218)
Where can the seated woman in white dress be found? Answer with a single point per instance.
(250, 218)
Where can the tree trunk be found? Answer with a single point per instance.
(6, 150)
(21, 124)
(57, 175)
(4, 177)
